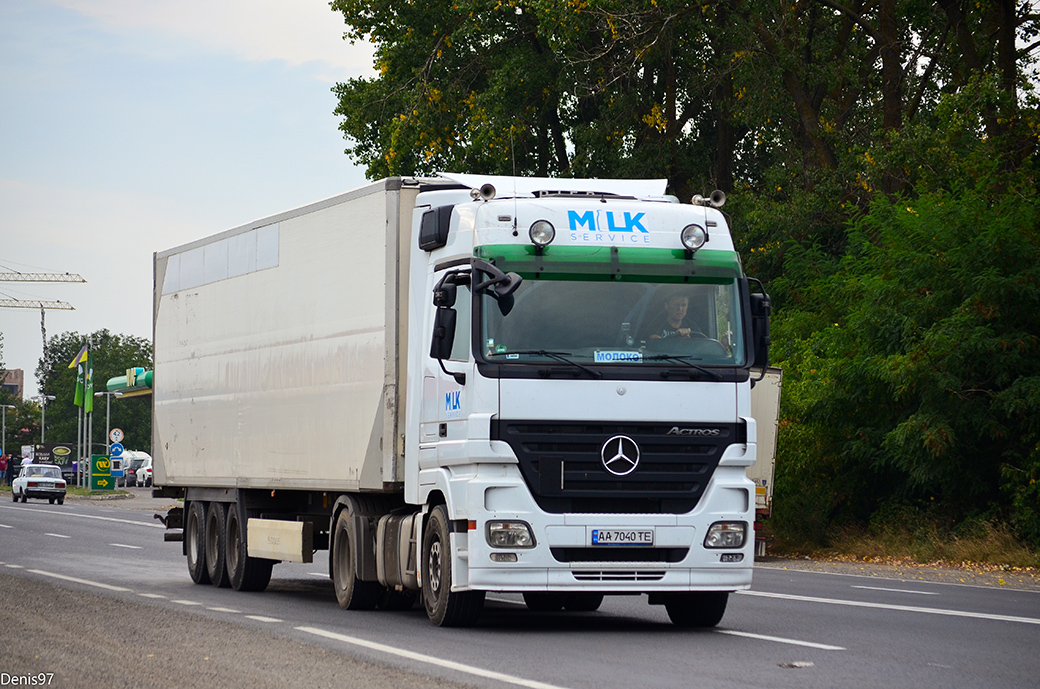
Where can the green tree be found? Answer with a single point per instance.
(112, 354)
(906, 335)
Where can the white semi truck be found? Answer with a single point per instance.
(466, 384)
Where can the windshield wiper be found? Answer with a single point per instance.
(683, 361)
(557, 356)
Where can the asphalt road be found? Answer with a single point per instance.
(114, 584)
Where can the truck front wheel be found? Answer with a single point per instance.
(195, 542)
(351, 592)
(696, 609)
(444, 607)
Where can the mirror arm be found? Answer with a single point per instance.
(459, 376)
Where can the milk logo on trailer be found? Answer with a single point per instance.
(453, 404)
(610, 227)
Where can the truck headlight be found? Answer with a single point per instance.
(726, 535)
(542, 233)
(509, 534)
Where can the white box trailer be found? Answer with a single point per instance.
(466, 384)
(281, 346)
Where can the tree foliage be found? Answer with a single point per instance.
(112, 354)
(882, 161)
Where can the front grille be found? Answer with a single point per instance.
(622, 554)
(634, 575)
(562, 464)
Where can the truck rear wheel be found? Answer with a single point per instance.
(195, 542)
(244, 573)
(696, 609)
(444, 607)
(351, 592)
(216, 545)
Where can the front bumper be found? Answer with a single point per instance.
(564, 559)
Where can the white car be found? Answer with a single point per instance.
(144, 473)
(39, 481)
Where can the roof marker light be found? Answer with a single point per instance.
(542, 233)
(694, 237)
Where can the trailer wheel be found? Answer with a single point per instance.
(351, 592)
(244, 573)
(444, 607)
(544, 602)
(216, 545)
(583, 602)
(696, 609)
(195, 542)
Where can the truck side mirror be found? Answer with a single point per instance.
(760, 310)
(443, 332)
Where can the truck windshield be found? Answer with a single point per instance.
(616, 311)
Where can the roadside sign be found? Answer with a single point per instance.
(101, 473)
(116, 435)
(115, 450)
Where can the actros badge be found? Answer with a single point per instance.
(620, 455)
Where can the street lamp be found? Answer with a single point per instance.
(3, 438)
(43, 399)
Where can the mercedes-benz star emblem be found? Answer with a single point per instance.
(620, 455)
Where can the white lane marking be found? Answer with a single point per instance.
(781, 640)
(905, 581)
(879, 588)
(440, 662)
(901, 608)
(6, 526)
(185, 602)
(123, 545)
(57, 535)
(261, 618)
(151, 595)
(15, 566)
(230, 610)
(152, 525)
(96, 584)
(507, 601)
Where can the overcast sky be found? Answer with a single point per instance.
(133, 126)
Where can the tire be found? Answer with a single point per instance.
(61, 501)
(25, 498)
(351, 593)
(244, 573)
(216, 549)
(444, 607)
(195, 542)
(50, 501)
(700, 609)
(583, 602)
(14, 496)
(544, 602)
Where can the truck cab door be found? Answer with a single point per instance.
(445, 405)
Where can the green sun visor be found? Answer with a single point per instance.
(623, 264)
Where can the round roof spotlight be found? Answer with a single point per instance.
(542, 233)
(693, 237)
